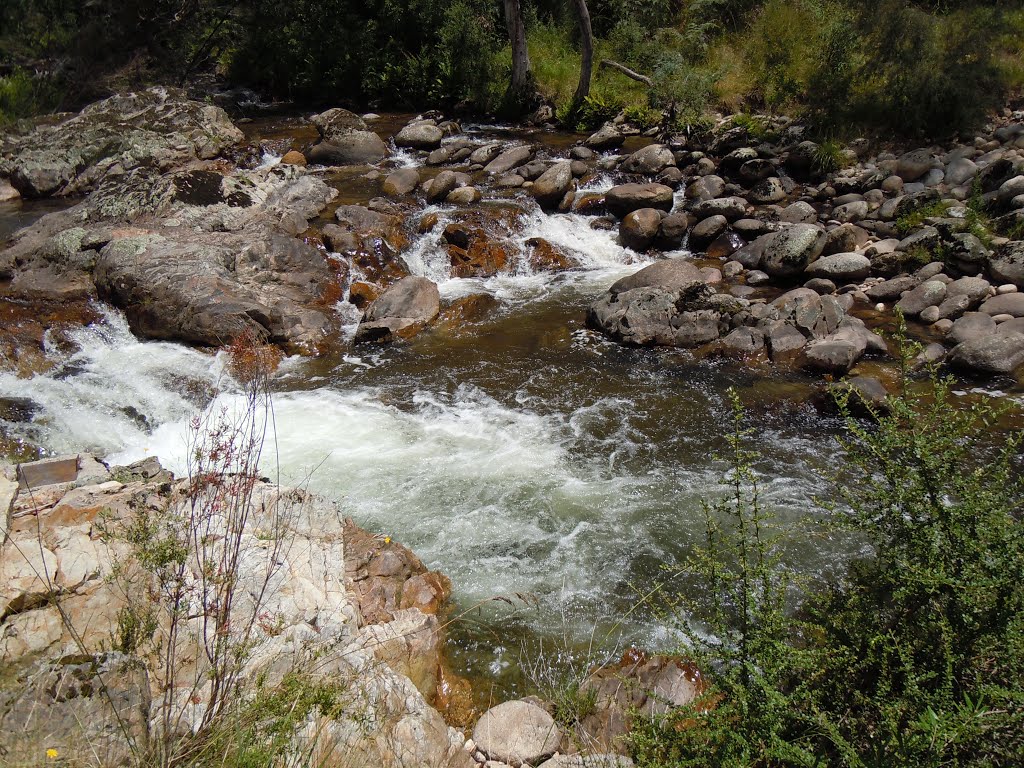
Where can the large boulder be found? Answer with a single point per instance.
(421, 134)
(607, 136)
(345, 139)
(649, 161)
(841, 267)
(509, 159)
(645, 315)
(551, 186)
(788, 252)
(402, 311)
(158, 128)
(1005, 304)
(1007, 263)
(212, 289)
(624, 198)
(517, 732)
(639, 228)
(996, 353)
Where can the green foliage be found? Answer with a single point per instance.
(923, 644)
(828, 156)
(914, 220)
(24, 95)
(916, 657)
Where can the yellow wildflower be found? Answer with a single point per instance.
(52, 753)
(387, 539)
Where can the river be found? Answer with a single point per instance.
(525, 456)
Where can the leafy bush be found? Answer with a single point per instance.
(916, 657)
(923, 645)
(24, 95)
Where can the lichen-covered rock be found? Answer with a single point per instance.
(156, 128)
(788, 252)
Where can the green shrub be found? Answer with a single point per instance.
(25, 95)
(922, 646)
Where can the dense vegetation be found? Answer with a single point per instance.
(916, 656)
(911, 67)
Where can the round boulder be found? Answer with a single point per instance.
(841, 267)
(789, 251)
(551, 186)
(639, 228)
(624, 198)
(423, 134)
(517, 732)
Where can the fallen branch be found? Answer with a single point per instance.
(621, 68)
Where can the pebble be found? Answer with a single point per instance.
(943, 326)
(880, 307)
(1002, 318)
(1006, 288)
(469, 746)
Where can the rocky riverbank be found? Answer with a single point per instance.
(86, 617)
(744, 246)
(802, 249)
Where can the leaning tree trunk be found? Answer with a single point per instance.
(521, 91)
(586, 57)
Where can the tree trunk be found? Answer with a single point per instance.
(521, 91)
(586, 57)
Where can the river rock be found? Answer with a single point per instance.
(914, 164)
(838, 352)
(649, 161)
(846, 238)
(422, 134)
(997, 353)
(841, 267)
(799, 212)
(663, 314)
(157, 128)
(789, 251)
(705, 188)
(668, 274)
(509, 159)
(639, 228)
(960, 171)
(637, 686)
(766, 191)
(517, 732)
(708, 229)
(400, 312)
(441, 185)
(345, 140)
(464, 196)
(928, 294)
(1006, 264)
(732, 208)
(976, 289)
(971, 325)
(607, 136)
(401, 182)
(589, 761)
(306, 611)
(1008, 304)
(552, 185)
(624, 198)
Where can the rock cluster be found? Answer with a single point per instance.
(362, 607)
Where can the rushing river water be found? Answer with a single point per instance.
(525, 456)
